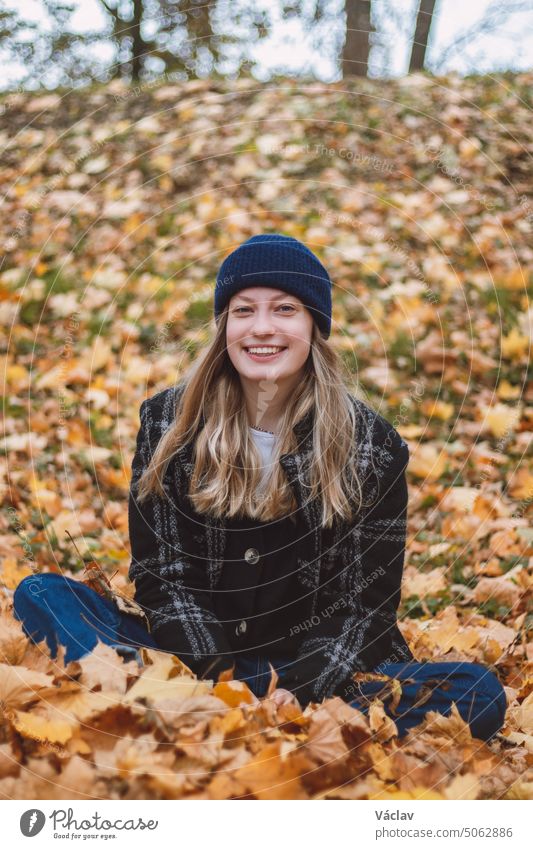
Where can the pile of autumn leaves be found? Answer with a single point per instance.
(104, 728)
(441, 321)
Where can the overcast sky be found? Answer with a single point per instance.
(290, 51)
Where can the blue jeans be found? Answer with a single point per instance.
(60, 609)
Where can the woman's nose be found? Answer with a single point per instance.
(262, 322)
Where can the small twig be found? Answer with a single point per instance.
(73, 541)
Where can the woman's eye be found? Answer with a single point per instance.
(283, 306)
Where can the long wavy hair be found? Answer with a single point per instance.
(227, 464)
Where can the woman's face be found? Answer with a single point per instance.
(260, 317)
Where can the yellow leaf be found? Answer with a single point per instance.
(521, 484)
(65, 520)
(268, 776)
(12, 572)
(521, 717)
(41, 728)
(463, 787)
(155, 684)
(444, 632)
(513, 280)
(500, 419)
(48, 501)
(17, 377)
(381, 725)
(415, 793)
(506, 391)
(461, 498)
(81, 704)
(515, 346)
(13, 641)
(427, 462)
(423, 583)
(438, 409)
(500, 589)
(492, 651)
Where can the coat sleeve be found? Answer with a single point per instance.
(356, 613)
(171, 586)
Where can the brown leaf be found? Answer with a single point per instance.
(269, 776)
(335, 727)
(105, 668)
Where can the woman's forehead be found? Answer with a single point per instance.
(262, 293)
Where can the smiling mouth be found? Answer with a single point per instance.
(264, 352)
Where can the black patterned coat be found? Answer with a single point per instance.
(350, 574)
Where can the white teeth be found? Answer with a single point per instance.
(263, 350)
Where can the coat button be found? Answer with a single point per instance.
(241, 627)
(251, 555)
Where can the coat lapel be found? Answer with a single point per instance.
(308, 514)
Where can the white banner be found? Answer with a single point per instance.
(232, 824)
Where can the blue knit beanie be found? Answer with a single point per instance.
(278, 262)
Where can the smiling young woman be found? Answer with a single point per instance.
(267, 514)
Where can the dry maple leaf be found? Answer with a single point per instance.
(452, 726)
(106, 669)
(9, 765)
(77, 703)
(521, 484)
(335, 728)
(417, 764)
(42, 728)
(416, 793)
(13, 641)
(520, 716)
(176, 713)
(382, 726)
(390, 691)
(500, 589)
(164, 680)
(234, 693)
(12, 572)
(139, 755)
(268, 776)
(20, 686)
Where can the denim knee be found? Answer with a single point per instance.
(33, 585)
(488, 698)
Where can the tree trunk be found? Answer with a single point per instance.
(138, 48)
(357, 43)
(424, 19)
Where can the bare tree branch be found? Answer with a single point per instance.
(496, 15)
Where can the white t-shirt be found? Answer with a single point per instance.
(265, 442)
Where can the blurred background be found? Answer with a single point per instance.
(45, 43)
(143, 141)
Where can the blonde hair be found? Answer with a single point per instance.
(227, 464)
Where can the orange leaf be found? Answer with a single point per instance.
(233, 693)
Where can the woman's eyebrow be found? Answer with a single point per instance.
(253, 300)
